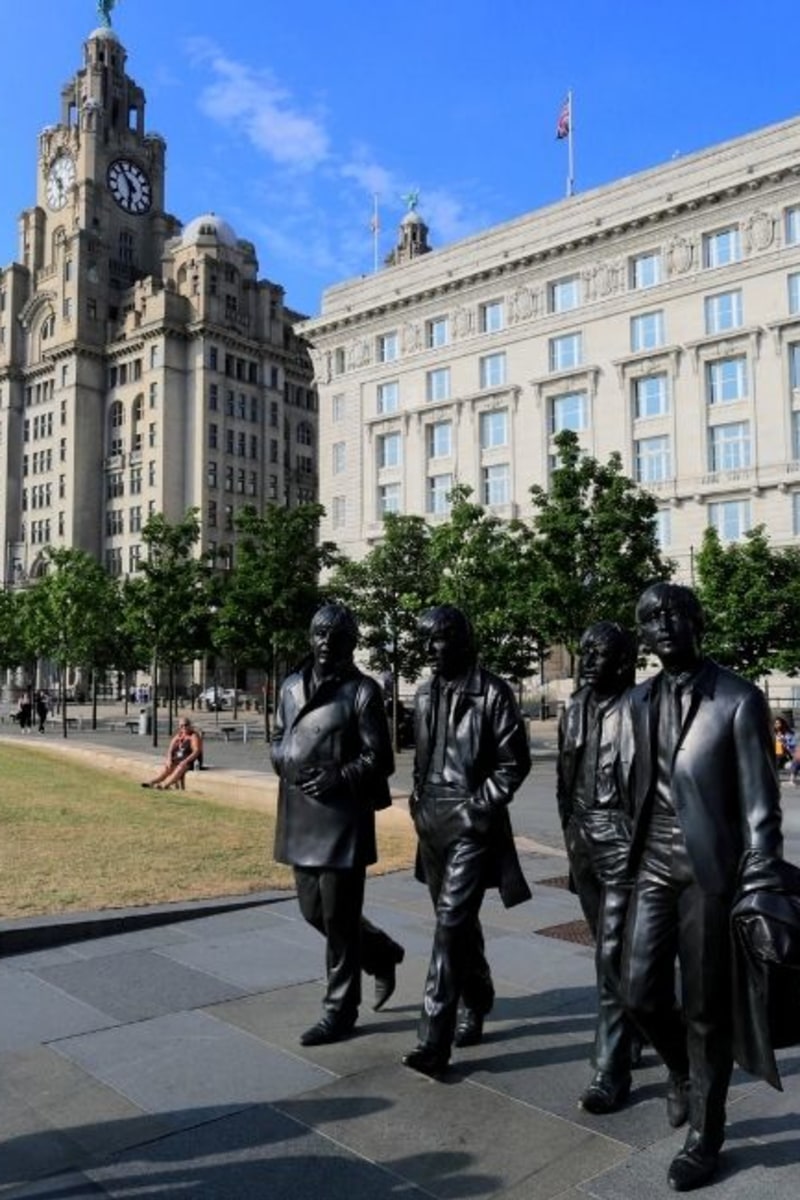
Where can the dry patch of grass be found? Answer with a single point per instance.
(76, 837)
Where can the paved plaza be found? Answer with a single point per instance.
(160, 1057)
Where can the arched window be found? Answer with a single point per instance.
(137, 416)
(116, 421)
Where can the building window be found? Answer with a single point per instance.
(647, 331)
(794, 294)
(229, 479)
(494, 429)
(570, 411)
(437, 384)
(490, 317)
(653, 459)
(135, 519)
(564, 294)
(388, 499)
(213, 397)
(566, 351)
(792, 226)
(440, 439)
(650, 396)
(389, 450)
(438, 490)
(664, 528)
(729, 446)
(493, 370)
(229, 441)
(388, 347)
(436, 333)
(722, 247)
(496, 484)
(338, 511)
(388, 397)
(726, 380)
(723, 312)
(645, 270)
(337, 407)
(794, 367)
(339, 457)
(730, 518)
(305, 434)
(211, 513)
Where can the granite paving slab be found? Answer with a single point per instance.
(71, 1186)
(256, 960)
(380, 1039)
(456, 1138)
(269, 915)
(137, 986)
(184, 1062)
(253, 1154)
(35, 1010)
(54, 1115)
(526, 962)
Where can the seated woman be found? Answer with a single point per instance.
(785, 742)
(184, 749)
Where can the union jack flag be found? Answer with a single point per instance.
(564, 120)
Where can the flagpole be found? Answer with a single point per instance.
(570, 159)
(376, 228)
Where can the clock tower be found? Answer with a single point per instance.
(99, 222)
(144, 366)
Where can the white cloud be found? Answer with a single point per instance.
(255, 104)
(308, 205)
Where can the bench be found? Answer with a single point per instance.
(132, 726)
(228, 731)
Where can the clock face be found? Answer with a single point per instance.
(60, 179)
(129, 186)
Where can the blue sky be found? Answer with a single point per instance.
(286, 118)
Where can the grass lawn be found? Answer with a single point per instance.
(76, 837)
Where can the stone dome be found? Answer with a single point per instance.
(209, 225)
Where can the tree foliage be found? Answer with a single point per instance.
(751, 593)
(387, 590)
(267, 601)
(487, 567)
(167, 601)
(596, 535)
(69, 612)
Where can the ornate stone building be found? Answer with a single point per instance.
(658, 316)
(144, 366)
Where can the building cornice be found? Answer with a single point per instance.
(643, 202)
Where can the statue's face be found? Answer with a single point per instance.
(601, 665)
(669, 631)
(447, 652)
(332, 647)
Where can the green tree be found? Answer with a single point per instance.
(750, 592)
(267, 602)
(68, 611)
(387, 590)
(596, 533)
(16, 643)
(487, 568)
(167, 600)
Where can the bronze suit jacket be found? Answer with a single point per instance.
(343, 724)
(486, 758)
(724, 784)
